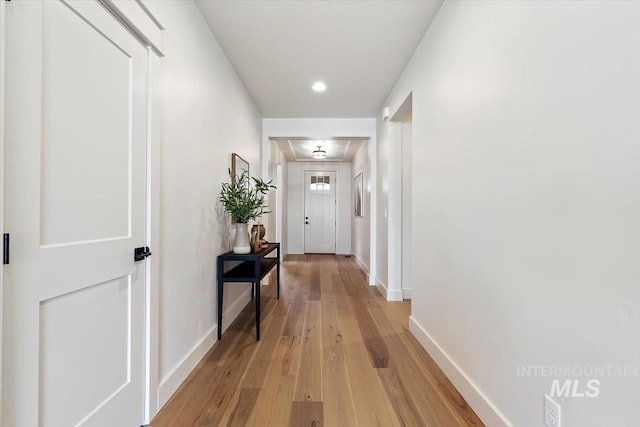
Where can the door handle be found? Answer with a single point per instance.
(139, 254)
(5, 249)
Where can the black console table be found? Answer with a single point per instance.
(252, 268)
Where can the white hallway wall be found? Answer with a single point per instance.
(388, 222)
(285, 202)
(526, 188)
(361, 226)
(206, 114)
(274, 158)
(407, 203)
(381, 255)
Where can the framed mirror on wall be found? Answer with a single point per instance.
(238, 165)
(358, 194)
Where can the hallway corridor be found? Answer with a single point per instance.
(332, 353)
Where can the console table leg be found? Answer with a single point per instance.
(258, 311)
(278, 273)
(220, 291)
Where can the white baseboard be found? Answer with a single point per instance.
(488, 413)
(394, 294)
(389, 294)
(171, 382)
(381, 287)
(406, 293)
(296, 251)
(362, 265)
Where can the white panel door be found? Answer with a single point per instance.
(75, 199)
(320, 212)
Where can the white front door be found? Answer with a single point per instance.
(320, 212)
(75, 209)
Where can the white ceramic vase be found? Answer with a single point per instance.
(241, 244)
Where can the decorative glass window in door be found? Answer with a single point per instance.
(320, 183)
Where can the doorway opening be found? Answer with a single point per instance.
(404, 118)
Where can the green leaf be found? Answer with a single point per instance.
(243, 199)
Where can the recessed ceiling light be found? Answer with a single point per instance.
(319, 87)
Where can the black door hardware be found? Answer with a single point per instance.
(139, 254)
(5, 249)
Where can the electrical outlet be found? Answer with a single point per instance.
(552, 413)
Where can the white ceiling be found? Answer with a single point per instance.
(301, 149)
(358, 48)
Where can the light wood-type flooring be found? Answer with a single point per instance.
(332, 353)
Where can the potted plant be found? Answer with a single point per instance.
(244, 199)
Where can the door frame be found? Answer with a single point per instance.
(315, 167)
(279, 202)
(398, 201)
(402, 119)
(152, 237)
(146, 27)
(335, 200)
(2, 180)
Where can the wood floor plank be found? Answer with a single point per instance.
(432, 406)
(359, 299)
(371, 335)
(309, 381)
(372, 406)
(338, 396)
(306, 414)
(463, 411)
(236, 331)
(427, 396)
(223, 386)
(404, 406)
(263, 356)
(254, 375)
(242, 410)
(315, 291)
(333, 352)
(296, 308)
(274, 402)
(185, 407)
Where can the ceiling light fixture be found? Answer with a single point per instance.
(319, 153)
(319, 87)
